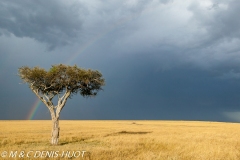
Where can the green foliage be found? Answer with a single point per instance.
(61, 78)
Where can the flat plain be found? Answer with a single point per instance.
(121, 140)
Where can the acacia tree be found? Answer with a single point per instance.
(61, 81)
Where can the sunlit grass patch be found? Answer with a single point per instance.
(117, 140)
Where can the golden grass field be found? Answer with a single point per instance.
(126, 140)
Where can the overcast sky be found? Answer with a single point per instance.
(161, 59)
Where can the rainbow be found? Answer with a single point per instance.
(84, 47)
(33, 110)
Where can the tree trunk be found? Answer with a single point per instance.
(55, 114)
(55, 131)
(54, 110)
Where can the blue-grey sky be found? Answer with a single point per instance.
(161, 59)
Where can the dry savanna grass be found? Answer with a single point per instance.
(123, 140)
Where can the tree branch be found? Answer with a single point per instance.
(43, 100)
(45, 87)
(49, 100)
(60, 99)
(50, 107)
(63, 102)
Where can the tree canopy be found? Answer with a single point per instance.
(60, 78)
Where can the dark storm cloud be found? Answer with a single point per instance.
(140, 91)
(162, 59)
(217, 45)
(219, 19)
(58, 23)
(218, 48)
(53, 22)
